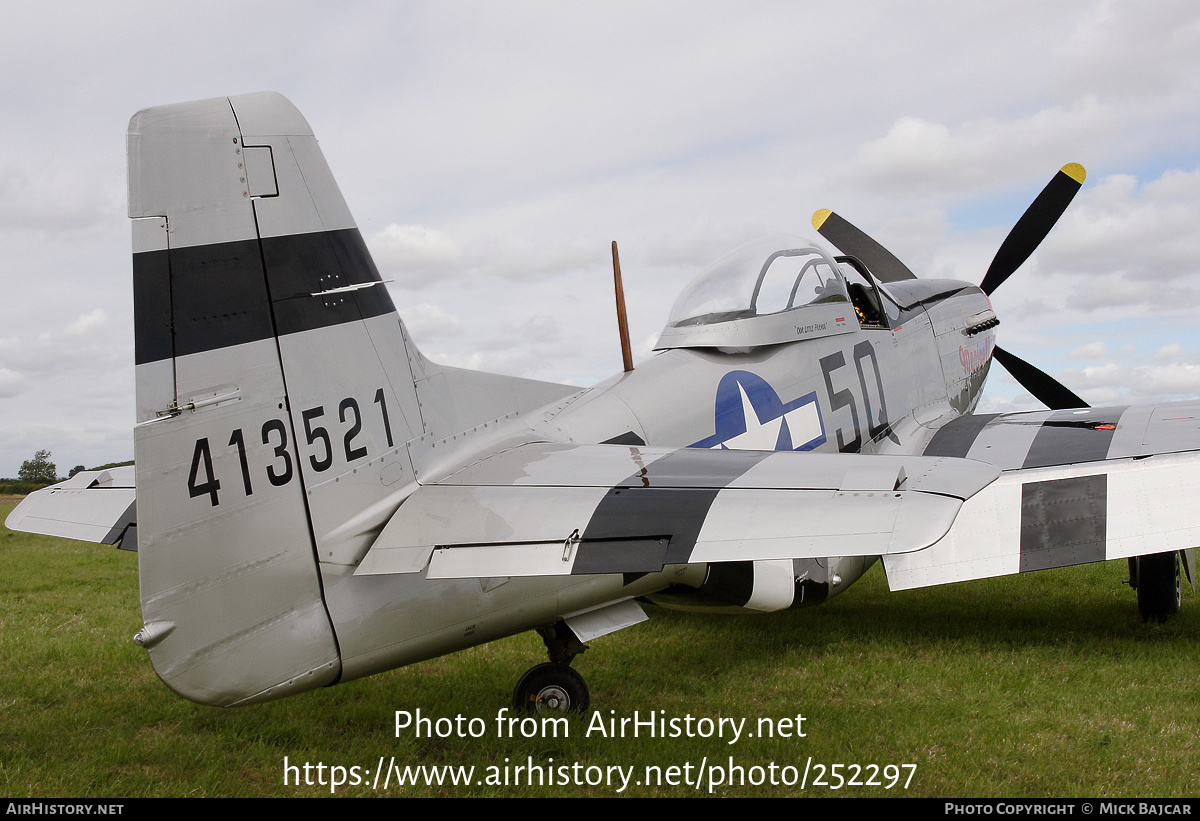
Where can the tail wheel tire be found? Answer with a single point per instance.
(551, 690)
(1159, 586)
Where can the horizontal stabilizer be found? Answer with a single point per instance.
(92, 506)
(556, 510)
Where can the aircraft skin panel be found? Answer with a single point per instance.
(92, 506)
(225, 554)
(551, 464)
(231, 594)
(1060, 516)
(309, 199)
(479, 397)
(205, 131)
(350, 427)
(616, 509)
(965, 358)
(482, 515)
(393, 620)
(1033, 439)
(1170, 428)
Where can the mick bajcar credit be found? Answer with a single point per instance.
(1074, 807)
(706, 773)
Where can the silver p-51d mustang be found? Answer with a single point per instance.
(317, 502)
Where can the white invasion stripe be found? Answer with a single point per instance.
(804, 423)
(774, 586)
(1151, 505)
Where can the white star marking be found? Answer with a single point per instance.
(803, 426)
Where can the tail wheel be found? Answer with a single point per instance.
(552, 690)
(1159, 586)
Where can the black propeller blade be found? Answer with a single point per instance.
(879, 260)
(1044, 387)
(1025, 236)
(1033, 225)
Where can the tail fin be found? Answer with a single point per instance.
(266, 411)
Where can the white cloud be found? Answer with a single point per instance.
(917, 154)
(88, 323)
(1093, 350)
(1113, 383)
(10, 382)
(1169, 351)
(1139, 232)
(426, 321)
(414, 255)
(1109, 47)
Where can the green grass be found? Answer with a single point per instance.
(1040, 685)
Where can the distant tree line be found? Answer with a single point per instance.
(39, 472)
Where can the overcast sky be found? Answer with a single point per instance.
(490, 152)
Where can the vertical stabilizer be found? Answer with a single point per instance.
(265, 410)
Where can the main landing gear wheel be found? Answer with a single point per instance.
(1159, 586)
(551, 689)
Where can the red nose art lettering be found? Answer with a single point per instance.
(972, 359)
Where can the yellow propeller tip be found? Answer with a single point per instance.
(1075, 171)
(820, 217)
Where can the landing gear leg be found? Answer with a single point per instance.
(562, 645)
(1159, 585)
(554, 688)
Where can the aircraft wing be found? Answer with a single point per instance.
(92, 506)
(1077, 486)
(553, 509)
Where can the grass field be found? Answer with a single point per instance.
(1045, 685)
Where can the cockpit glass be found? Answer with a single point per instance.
(764, 276)
(875, 305)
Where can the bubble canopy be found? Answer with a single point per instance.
(768, 277)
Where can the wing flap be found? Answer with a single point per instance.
(578, 510)
(753, 525)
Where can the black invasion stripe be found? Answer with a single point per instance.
(1070, 437)
(201, 298)
(956, 436)
(151, 307)
(304, 264)
(1063, 522)
(129, 539)
(117, 532)
(627, 438)
(668, 499)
